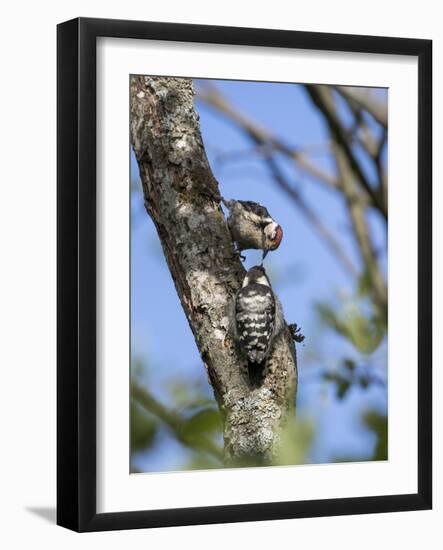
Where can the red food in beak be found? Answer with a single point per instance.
(278, 237)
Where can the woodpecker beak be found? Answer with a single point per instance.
(277, 239)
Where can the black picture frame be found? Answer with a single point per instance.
(76, 267)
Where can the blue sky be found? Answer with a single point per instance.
(302, 270)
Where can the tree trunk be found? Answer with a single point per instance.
(181, 197)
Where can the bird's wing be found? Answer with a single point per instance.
(255, 208)
(255, 318)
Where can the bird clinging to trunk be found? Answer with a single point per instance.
(252, 227)
(257, 321)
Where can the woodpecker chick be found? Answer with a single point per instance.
(252, 226)
(258, 319)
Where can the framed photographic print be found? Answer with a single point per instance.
(244, 274)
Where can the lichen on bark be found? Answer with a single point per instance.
(182, 197)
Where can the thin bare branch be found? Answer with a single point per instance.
(381, 169)
(361, 231)
(365, 100)
(262, 137)
(356, 210)
(364, 136)
(269, 143)
(322, 98)
(360, 132)
(311, 215)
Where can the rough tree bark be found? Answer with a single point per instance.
(180, 195)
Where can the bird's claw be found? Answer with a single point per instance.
(240, 255)
(295, 332)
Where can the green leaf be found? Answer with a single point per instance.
(364, 283)
(143, 429)
(342, 388)
(342, 384)
(378, 424)
(296, 440)
(349, 364)
(203, 423)
(364, 333)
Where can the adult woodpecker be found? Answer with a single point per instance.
(252, 227)
(257, 320)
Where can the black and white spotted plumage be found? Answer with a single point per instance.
(252, 227)
(257, 318)
(255, 208)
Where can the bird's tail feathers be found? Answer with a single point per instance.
(256, 373)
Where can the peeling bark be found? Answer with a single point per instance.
(181, 196)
